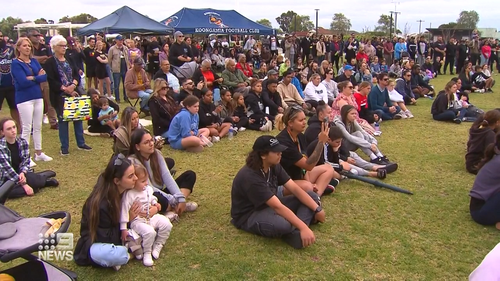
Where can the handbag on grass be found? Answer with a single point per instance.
(77, 108)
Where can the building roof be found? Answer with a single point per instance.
(431, 30)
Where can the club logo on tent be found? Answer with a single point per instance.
(171, 21)
(216, 19)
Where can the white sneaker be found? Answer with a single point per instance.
(32, 164)
(173, 217)
(147, 260)
(139, 256)
(111, 97)
(191, 206)
(215, 139)
(269, 125)
(45, 119)
(242, 129)
(156, 250)
(398, 116)
(377, 133)
(403, 114)
(43, 157)
(408, 114)
(117, 267)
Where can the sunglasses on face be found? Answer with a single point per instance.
(163, 88)
(350, 87)
(385, 79)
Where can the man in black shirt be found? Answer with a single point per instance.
(153, 57)
(90, 63)
(451, 50)
(181, 58)
(257, 205)
(439, 49)
(347, 76)
(42, 53)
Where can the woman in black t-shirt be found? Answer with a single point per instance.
(258, 207)
(209, 117)
(302, 169)
(15, 159)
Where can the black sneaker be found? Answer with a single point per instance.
(391, 167)
(378, 161)
(385, 160)
(457, 121)
(64, 152)
(331, 187)
(85, 147)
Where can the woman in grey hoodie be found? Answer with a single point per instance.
(355, 137)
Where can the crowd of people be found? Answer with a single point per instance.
(197, 94)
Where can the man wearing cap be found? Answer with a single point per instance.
(348, 75)
(42, 53)
(257, 202)
(119, 63)
(271, 75)
(181, 58)
(137, 83)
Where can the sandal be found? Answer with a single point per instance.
(381, 173)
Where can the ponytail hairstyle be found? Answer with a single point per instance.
(491, 150)
(487, 119)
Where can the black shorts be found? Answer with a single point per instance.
(9, 94)
(90, 72)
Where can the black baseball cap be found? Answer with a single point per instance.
(268, 143)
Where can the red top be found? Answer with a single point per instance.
(247, 70)
(361, 100)
(486, 51)
(209, 76)
(361, 56)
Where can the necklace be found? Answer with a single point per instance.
(268, 175)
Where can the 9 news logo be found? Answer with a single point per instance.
(55, 247)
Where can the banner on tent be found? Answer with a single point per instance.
(227, 30)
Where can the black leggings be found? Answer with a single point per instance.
(36, 181)
(186, 180)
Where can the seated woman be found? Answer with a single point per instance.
(398, 99)
(284, 67)
(355, 137)
(331, 86)
(364, 74)
(262, 73)
(487, 72)
(244, 66)
(228, 110)
(464, 76)
(258, 119)
(129, 122)
(15, 161)
(443, 108)
(346, 97)
(100, 241)
(142, 148)
(183, 133)
(211, 80)
(256, 201)
(94, 124)
(418, 85)
(361, 98)
(208, 116)
(162, 107)
(481, 134)
(293, 159)
(240, 111)
(314, 92)
(485, 193)
(481, 81)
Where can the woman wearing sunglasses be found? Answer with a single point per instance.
(162, 107)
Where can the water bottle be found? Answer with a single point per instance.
(377, 127)
(216, 95)
(230, 134)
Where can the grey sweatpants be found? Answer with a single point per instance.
(353, 147)
(156, 231)
(362, 167)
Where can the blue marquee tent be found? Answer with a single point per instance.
(125, 20)
(193, 21)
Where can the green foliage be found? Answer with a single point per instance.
(81, 18)
(468, 19)
(449, 25)
(265, 22)
(7, 26)
(287, 22)
(41, 21)
(340, 23)
(384, 25)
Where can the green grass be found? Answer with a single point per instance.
(370, 233)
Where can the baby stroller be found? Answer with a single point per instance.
(20, 237)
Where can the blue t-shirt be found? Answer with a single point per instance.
(6, 57)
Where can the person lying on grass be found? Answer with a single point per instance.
(302, 169)
(481, 134)
(259, 207)
(485, 193)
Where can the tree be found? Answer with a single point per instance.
(468, 19)
(287, 22)
(265, 22)
(449, 25)
(7, 26)
(340, 23)
(81, 18)
(41, 21)
(384, 25)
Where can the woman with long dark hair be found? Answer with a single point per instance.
(100, 243)
(142, 148)
(485, 193)
(481, 134)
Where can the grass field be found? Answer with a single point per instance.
(370, 234)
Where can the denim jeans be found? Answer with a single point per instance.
(144, 96)
(484, 60)
(489, 214)
(64, 133)
(268, 223)
(117, 77)
(110, 75)
(386, 114)
(108, 255)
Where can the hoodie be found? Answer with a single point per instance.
(479, 139)
(360, 142)
(182, 125)
(313, 129)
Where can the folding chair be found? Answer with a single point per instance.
(20, 238)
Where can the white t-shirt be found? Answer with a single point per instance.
(315, 93)
(489, 268)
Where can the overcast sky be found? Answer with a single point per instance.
(433, 12)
